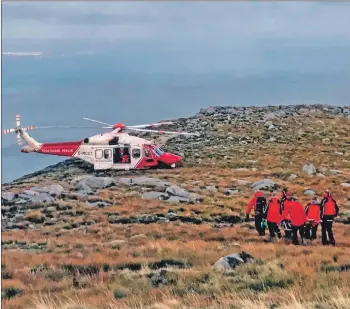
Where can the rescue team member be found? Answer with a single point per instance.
(298, 218)
(272, 214)
(312, 211)
(258, 202)
(329, 210)
(285, 205)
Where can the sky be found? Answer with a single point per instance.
(226, 23)
(208, 36)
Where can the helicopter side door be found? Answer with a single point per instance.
(122, 157)
(103, 158)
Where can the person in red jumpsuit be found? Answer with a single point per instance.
(313, 217)
(258, 203)
(272, 214)
(297, 215)
(329, 210)
(286, 201)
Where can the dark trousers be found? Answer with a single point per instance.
(327, 230)
(258, 219)
(274, 229)
(311, 231)
(295, 230)
(287, 228)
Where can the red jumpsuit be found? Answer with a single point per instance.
(329, 210)
(258, 203)
(312, 211)
(298, 218)
(285, 205)
(273, 216)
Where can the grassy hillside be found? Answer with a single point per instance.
(115, 249)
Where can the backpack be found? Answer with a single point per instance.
(260, 205)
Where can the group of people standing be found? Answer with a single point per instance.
(289, 213)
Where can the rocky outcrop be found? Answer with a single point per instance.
(309, 169)
(231, 261)
(265, 184)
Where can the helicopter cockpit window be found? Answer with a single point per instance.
(107, 154)
(136, 153)
(147, 153)
(98, 153)
(158, 151)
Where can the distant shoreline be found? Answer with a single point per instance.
(22, 54)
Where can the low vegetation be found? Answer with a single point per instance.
(72, 256)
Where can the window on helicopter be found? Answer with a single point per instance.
(158, 151)
(136, 153)
(107, 153)
(98, 153)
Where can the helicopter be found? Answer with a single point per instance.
(112, 150)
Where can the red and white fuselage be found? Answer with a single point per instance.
(112, 150)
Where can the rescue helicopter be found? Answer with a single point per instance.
(113, 150)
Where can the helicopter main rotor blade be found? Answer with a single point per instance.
(68, 127)
(161, 132)
(97, 121)
(151, 124)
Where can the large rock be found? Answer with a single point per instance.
(208, 111)
(154, 183)
(179, 199)
(264, 184)
(231, 261)
(40, 198)
(40, 190)
(155, 195)
(83, 187)
(96, 182)
(99, 204)
(309, 192)
(231, 191)
(212, 189)
(309, 169)
(56, 190)
(175, 190)
(8, 196)
(30, 192)
(269, 116)
(345, 184)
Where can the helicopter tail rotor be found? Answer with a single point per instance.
(18, 130)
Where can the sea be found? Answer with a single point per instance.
(142, 87)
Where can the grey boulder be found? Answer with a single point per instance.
(40, 190)
(155, 195)
(30, 192)
(56, 190)
(309, 169)
(145, 182)
(231, 261)
(83, 187)
(179, 199)
(97, 182)
(309, 192)
(8, 196)
(212, 189)
(264, 184)
(41, 197)
(231, 191)
(175, 190)
(99, 204)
